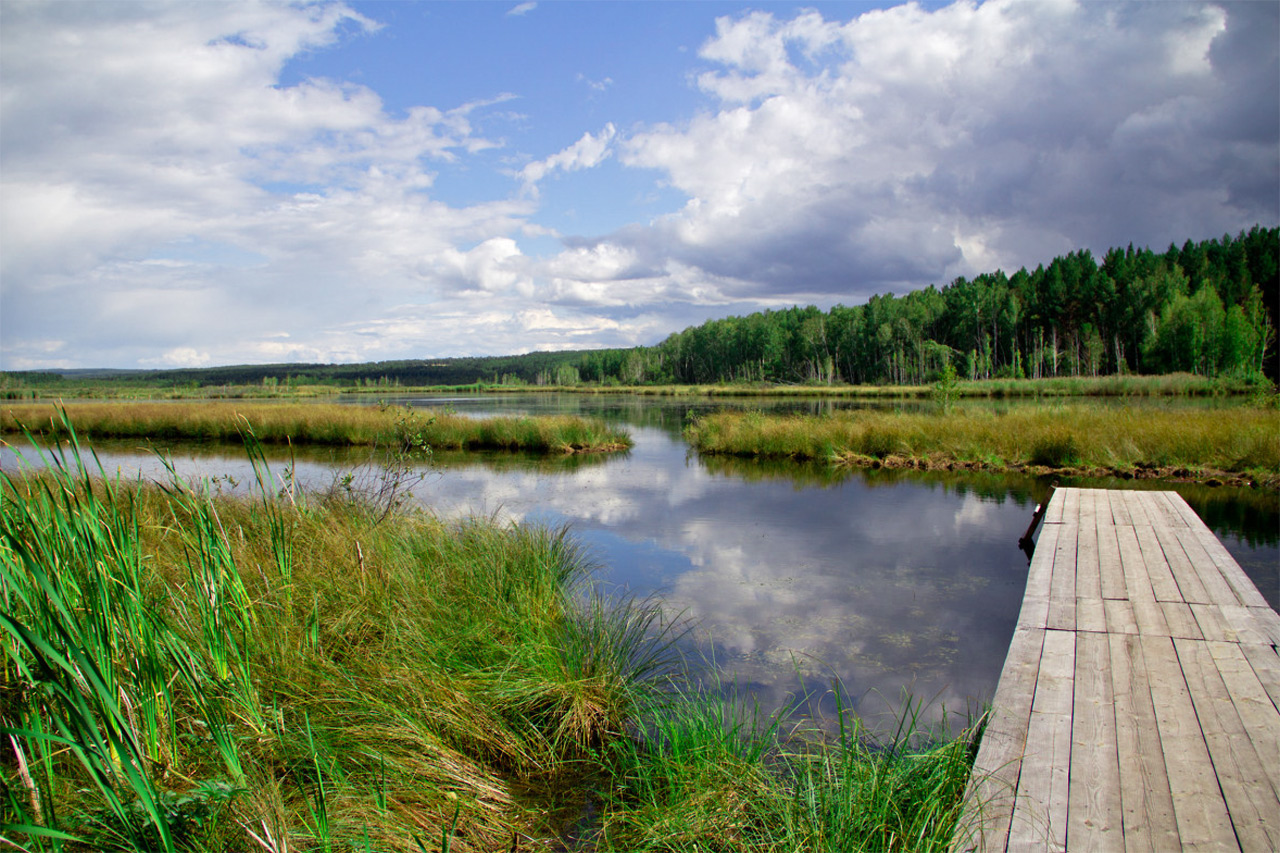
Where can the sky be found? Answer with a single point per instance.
(203, 183)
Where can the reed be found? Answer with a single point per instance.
(315, 424)
(713, 775)
(184, 672)
(1240, 442)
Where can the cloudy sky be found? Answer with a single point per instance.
(208, 183)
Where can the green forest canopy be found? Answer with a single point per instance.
(1207, 308)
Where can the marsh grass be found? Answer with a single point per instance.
(185, 672)
(316, 424)
(1242, 440)
(284, 672)
(714, 775)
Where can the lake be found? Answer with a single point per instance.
(791, 578)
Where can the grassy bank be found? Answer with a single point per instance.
(714, 776)
(185, 672)
(318, 423)
(1235, 444)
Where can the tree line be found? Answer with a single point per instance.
(1207, 308)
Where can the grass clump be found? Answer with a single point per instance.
(714, 776)
(318, 424)
(1240, 442)
(183, 672)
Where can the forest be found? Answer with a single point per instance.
(1208, 308)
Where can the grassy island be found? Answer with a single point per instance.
(184, 671)
(1238, 444)
(317, 423)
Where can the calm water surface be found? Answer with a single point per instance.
(792, 578)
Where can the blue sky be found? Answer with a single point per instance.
(208, 183)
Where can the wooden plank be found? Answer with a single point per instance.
(1062, 587)
(1040, 811)
(1040, 572)
(1268, 622)
(1157, 566)
(1091, 615)
(1181, 621)
(1242, 622)
(1215, 585)
(1109, 568)
(1053, 512)
(1061, 616)
(1259, 714)
(1251, 803)
(1071, 506)
(1147, 613)
(1203, 822)
(1266, 665)
(1120, 514)
(1163, 511)
(1034, 612)
(1211, 623)
(1137, 504)
(1190, 585)
(1120, 616)
(1094, 810)
(1088, 572)
(1240, 583)
(994, 780)
(1146, 800)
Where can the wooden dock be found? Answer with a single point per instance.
(1137, 708)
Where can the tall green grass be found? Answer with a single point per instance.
(316, 423)
(1240, 440)
(190, 673)
(714, 775)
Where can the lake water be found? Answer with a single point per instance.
(793, 578)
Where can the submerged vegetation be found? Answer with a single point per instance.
(184, 671)
(278, 423)
(1239, 443)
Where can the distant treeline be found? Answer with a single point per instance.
(1208, 308)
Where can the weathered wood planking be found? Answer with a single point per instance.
(1139, 706)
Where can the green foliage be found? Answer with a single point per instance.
(711, 774)
(337, 684)
(945, 389)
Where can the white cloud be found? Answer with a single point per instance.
(522, 9)
(587, 152)
(907, 146)
(165, 194)
(179, 357)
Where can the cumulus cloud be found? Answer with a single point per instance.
(587, 152)
(522, 9)
(905, 146)
(167, 196)
(132, 129)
